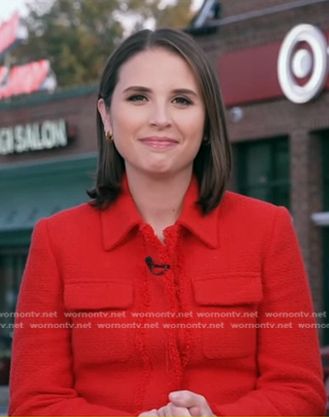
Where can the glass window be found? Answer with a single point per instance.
(263, 170)
(325, 165)
(12, 263)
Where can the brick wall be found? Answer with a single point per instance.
(235, 7)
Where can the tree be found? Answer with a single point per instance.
(77, 36)
(175, 15)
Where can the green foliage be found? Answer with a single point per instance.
(176, 14)
(77, 36)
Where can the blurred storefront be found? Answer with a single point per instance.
(47, 158)
(271, 57)
(278, 123)
(47, 153)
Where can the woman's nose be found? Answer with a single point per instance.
(160, 116)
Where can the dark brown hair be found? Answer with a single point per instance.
(212, 165)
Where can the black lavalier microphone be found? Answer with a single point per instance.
(153, 267)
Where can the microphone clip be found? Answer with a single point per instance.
(153, 267)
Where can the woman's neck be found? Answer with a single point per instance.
(158, 200)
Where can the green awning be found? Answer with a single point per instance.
(29, 192)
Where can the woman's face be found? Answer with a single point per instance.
(157, 114)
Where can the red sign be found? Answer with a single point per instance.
(251, 75)
(24, 79)
(9, 33)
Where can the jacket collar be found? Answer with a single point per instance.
(122, 217)
(204, 227)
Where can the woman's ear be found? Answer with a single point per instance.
(105, 115)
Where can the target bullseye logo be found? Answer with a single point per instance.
(303, 55)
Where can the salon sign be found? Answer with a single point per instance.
(33, 137)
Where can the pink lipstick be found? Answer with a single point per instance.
(158, 142)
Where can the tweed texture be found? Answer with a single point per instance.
(234, 267)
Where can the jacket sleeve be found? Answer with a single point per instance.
(42, 378)
(290, 378)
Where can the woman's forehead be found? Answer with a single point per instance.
(157, 66)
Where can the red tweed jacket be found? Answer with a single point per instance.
(231, 318)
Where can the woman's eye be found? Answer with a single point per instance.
(137, 97)
(182, 100)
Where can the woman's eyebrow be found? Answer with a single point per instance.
(137, 88)
(148, 90)
(185, 91)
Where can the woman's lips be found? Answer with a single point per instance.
(159, 143)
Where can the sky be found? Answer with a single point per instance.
(7, 7)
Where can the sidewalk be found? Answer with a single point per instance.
(4, 396)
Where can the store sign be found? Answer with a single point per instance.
(11, 32)
(33, 137)
(26, 79)
(303, 63)
(295, 68)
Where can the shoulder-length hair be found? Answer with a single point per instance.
(212, 164)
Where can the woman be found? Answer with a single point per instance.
(158, 298)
